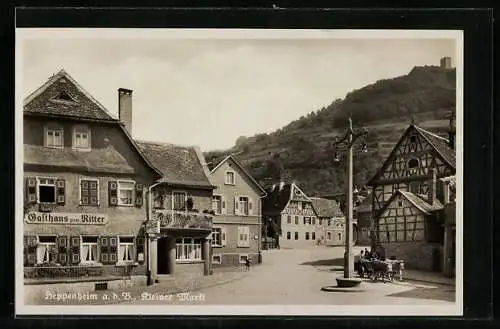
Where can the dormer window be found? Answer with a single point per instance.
(54, 137)
(81, 137)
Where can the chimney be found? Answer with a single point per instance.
(445, 62)
(125, 108)
(433, 187)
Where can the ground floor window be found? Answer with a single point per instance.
(216, 259)
(188, 249)
(288, 235)
(307, 235)
(126, 249)
(243, 258)
(313, 236)
(329, 235)
(88, 249)
(296, 235)
(339, 236)
(46, 249)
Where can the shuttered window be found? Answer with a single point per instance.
(89, 192)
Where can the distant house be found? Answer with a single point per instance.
(286, 205)
(331, 222)
(409, 197)
(363, 215)
(236, 203)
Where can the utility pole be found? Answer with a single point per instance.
(349, 139)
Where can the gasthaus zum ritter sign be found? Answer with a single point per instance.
(35, 217)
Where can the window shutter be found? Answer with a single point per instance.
(62, 249)
(138, 195)
(139, 242)
(103, 249)
(223, 204)
(31, 249)
(112, 249)
(236, 205)
(75, 249)
(223, 236)
(250, 206)
(60, 192)
(113, 193)
(30, 189)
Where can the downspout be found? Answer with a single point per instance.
(149, 218)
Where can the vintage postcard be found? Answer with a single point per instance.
(239, 172)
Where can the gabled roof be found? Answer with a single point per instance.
(416, 201)
(179, 165)
(326, 208)
(365, 205)
(62, 96)
(439, 144)
(245, 172)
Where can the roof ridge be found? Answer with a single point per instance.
(432, 134)
(142, 141)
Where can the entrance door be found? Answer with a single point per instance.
(163, 256)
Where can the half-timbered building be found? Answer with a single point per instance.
(292, 210)
(407, 198)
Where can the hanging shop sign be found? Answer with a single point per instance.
(36, 217)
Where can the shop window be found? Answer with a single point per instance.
(126, 250)
(81, 138)
(88, 249)
(89, 192)
(54, 137)
(188, 249)
(126, 193)
(179, 201)
(46, 249)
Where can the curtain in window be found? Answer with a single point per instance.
(41, 253)
(85, 252)
(122, 252)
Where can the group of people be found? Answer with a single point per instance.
(366, 256)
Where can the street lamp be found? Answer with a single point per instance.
(349, 139)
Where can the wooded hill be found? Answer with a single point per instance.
(302, 151)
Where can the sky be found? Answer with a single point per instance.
(209, 91)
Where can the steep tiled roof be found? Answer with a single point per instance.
(180, 165)
(276, 199)
(440, 144)
(326, 208)
(420, 203)
(101, 160)
(62, 96)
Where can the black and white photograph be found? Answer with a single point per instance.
(239, 171)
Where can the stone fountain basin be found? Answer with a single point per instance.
(348, 282)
